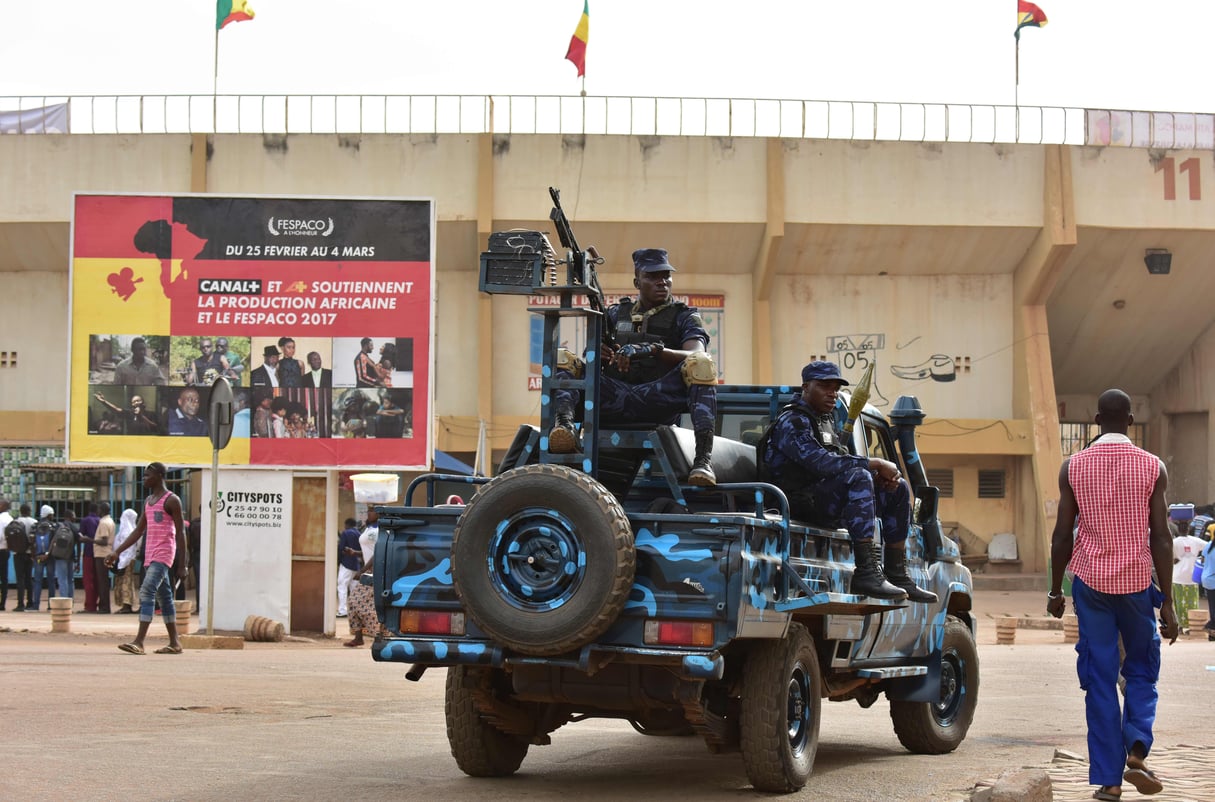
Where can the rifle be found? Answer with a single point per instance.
(581, 264)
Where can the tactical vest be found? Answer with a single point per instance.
(796, 481)
(655, 325)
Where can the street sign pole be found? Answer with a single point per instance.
(211, 541)
(220, 431)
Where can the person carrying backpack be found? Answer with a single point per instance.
(63, 552)
(43, 564)
(23, 559)
(6, 520)
(17, 543)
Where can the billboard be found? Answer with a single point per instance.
(317, 310)
(252, 548)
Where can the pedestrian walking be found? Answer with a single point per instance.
(1117, 491)
(161, 522)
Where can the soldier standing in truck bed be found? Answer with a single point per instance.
(658, 370)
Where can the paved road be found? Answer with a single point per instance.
(316, 721)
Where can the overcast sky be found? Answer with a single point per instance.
(1120, 54)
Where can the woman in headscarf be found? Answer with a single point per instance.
(124, 572)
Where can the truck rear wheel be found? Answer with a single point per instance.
(480, 749)
(781, 703)
(543, 559)
(933, 728)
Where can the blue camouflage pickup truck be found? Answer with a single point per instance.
(597, 585)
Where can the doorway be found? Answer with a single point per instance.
(1187, 458)
(308, 554)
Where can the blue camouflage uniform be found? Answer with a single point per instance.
(802, 454)
(650, 393)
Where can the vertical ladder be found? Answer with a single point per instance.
(586, 459)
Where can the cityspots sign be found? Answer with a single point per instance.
(318, 311)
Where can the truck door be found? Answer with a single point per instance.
(904, 631)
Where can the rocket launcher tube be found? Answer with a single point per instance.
(860, 397)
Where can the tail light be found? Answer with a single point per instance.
(678, 633)
(431, 622)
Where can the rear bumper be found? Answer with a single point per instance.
(689, 664)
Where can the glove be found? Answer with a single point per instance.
(639, 350)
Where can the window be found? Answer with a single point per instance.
(1075, 436)
(878, 446)
(991, 484)
(942, 479)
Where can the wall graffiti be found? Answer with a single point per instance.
(938, 367)
(855, 352)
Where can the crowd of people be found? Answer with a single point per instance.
(1193, 532)
(47, 553)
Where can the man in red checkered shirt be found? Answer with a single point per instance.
(1114, 492)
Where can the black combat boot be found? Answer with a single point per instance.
(868, 579)
(563, 439)
(702, 474)
(895, 569)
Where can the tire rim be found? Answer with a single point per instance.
(535, 560)
(798, 712)
(953, 688)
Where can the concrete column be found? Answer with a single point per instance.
(764, 272)
(485, 307)
(1034, 383)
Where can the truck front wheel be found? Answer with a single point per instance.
(781, 702)
(480, 749)
(933, 728)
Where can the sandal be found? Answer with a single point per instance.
(1106, 796)
(1144, 780)
(131, 648)
(170, 649)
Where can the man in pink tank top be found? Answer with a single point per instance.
(1114, 493)
(162, 523)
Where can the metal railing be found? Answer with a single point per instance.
(638, 116)
(541, 114)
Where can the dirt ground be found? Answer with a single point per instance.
(308, 719)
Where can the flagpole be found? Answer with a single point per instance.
(215, 84)
(1017, 86)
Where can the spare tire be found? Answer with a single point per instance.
(542, 559)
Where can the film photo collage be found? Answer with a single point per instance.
(343, 387)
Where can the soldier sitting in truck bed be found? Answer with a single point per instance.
(659, 369)
(801, 453)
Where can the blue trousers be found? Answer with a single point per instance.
(660, 401)
(64, 579)
(43, 573)
(851, 500)
(1103, 617)
(157, 589)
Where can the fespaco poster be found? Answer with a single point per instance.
(318, 311)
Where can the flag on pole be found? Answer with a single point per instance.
(231, 11)
(577, 50)
(1028, 16)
